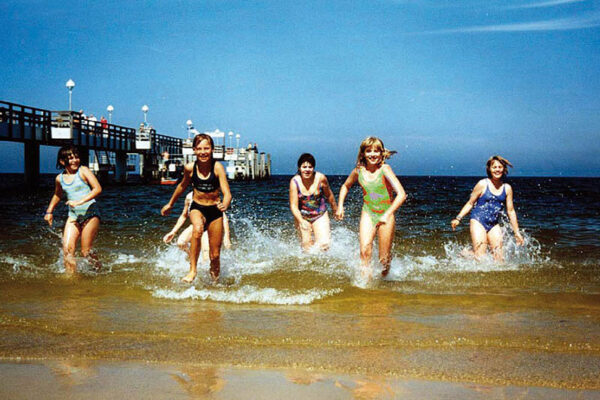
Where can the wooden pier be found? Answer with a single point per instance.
(34, 127)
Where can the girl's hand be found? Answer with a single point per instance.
(519, 238)
(221, 206)
(73, 203)
(166, 210)
(48, 217)
(305, 225)
(168, 237)
(339, 215)
(454, 223)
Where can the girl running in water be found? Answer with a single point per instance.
(81, 187)
(378, 183)
(208, 179)
(309, 192)
(487, 202)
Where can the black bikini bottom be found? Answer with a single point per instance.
(210, 213)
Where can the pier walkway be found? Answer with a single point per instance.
(35, 127)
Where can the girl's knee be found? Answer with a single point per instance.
(197, 231)
(214, 254)
(366, 252)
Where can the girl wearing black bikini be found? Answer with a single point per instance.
(208, 179)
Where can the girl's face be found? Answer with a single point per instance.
(306, 170)
(72, 162)
(372, 155)
(497, 169)
(203, 151)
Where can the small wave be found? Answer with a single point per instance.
(247, 294)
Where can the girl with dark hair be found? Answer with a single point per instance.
(485, 204)
(209, 180)
(379, 183)
(81, 187)
(309, 193)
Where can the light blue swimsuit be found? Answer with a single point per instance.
(76, 190)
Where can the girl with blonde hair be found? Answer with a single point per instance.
(379, 183)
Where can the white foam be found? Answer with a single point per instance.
(247, 294)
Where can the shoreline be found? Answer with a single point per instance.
(99, 378)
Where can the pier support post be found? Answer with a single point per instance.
(121, 167)
(32, 163)
(84, 155)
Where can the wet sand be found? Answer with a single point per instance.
(95, 379)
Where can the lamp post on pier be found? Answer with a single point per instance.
(145, 111)
(70, 85)
(190, 126)
(237, 140)
(230, 139)
(110, 109)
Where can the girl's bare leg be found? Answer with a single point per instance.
(183, 241)
(215, 238)
(385, 234)
(204, 247)
(366, 235)
(494, 237)
(322, 231)
(198, 227)
(305, 236)
(89, 232)
(479, 238)
(70, 236)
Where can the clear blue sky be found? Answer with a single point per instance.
(445, 83)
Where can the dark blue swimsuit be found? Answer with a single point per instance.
(488, 208)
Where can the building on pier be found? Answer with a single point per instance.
(240, 163)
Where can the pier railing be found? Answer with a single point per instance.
(23, 123)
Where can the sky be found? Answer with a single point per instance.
(446, 84)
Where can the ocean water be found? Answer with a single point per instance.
(533, 319)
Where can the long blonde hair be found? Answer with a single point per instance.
(377, 143)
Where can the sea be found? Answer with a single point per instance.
(532, 320)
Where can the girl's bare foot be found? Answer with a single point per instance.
(189, 278)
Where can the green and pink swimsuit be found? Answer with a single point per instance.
(377, 194)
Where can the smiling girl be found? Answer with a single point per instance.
(309, 193)
(209, 180)
(81, 187)
(379, 183)
(487, 202)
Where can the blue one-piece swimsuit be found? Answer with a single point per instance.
(488, 208)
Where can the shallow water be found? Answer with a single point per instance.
(532, 320)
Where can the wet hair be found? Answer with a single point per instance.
(377, 143)
(202, 136)
(306, 157)
(505, 163)
(63, 155)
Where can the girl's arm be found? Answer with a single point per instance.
(304, 224)
(329, 194)
(89, 178)
(187, 174)
(400, 193)
(512, 215)
(226, 201)
(475, 194)
(226, 232)
(58, 193)
(180, 221)
(351, 180)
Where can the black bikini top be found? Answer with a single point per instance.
(207, 185)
